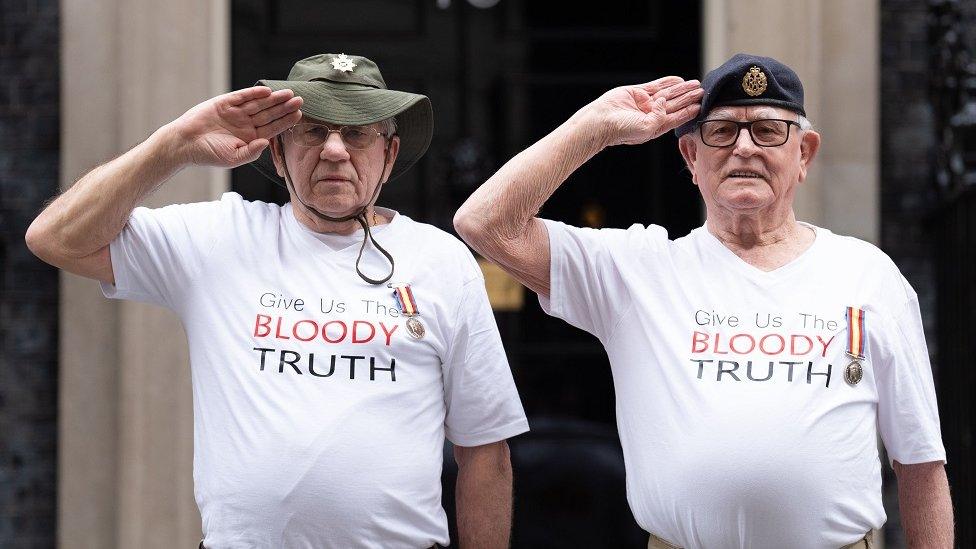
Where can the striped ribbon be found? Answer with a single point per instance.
(405, 300)
(855, 332)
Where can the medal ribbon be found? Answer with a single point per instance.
(404, 297)
(855, 332)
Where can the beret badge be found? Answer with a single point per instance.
(754, 82)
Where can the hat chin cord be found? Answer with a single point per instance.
(359, 216)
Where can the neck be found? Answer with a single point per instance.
(752, 229)
(319, 225)
(765, 242)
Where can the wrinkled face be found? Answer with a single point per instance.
(334, 178)
(745, 177)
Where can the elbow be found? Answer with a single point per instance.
(486, 234)
(469, 226)
(36, 240)
(42, 241)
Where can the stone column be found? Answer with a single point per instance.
(834, 46)
(126, 428)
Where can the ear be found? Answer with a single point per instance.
(393, 149)
(809, 145)
(689, 151)
(277, 156)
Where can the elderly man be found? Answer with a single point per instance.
(322, 394)
(756, 359)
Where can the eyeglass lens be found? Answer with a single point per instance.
(767, 133)
(313, 135)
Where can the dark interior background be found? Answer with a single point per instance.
(500, 78)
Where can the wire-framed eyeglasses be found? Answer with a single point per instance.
(310, 134)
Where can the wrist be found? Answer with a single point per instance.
(167, 146)
(589, 131)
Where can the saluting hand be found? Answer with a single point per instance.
(232, 129)
(630, 115)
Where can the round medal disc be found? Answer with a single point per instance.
(415, 328)
(853, 373)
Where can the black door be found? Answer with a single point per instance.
(501, 74)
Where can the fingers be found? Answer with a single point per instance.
(677, 97)
(259, 104)
(675, 93)
(679, 89)
(661, 83)
(679, 102)
(681, 116)
(268, 115)
(240, 97)
(279, 125)
(251, 151)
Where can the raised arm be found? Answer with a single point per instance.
(499, 219)
(73, 233)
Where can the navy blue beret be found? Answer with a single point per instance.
(748, 80)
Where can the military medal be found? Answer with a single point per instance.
(408, 306)
(415, 328)
(855, 345)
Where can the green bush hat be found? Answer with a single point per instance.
(349, 90)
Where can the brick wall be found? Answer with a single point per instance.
(29, 133)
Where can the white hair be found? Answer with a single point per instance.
(389, 126)
(804, 123)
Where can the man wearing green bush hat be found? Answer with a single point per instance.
(333, 344)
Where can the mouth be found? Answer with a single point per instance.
(744, 174)
(334, 179)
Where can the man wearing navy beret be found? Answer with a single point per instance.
(755, 360)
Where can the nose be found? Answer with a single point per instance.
(334, 149)
(744, 146)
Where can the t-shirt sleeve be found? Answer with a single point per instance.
(586, 287)
(160, 251)
(908, 414)
(483, 405)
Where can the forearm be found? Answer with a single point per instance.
(89, 215)
(925, 505)
(484, 498)
(503, 206)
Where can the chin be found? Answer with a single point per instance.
(746, 201)
(332, 198)
(334, 208)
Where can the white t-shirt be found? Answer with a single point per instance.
(737, 424)
(318, 421)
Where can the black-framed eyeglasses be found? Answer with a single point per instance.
(310, 134)
(767, 132)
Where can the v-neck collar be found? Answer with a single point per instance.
(338, 243)
(756, 274)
